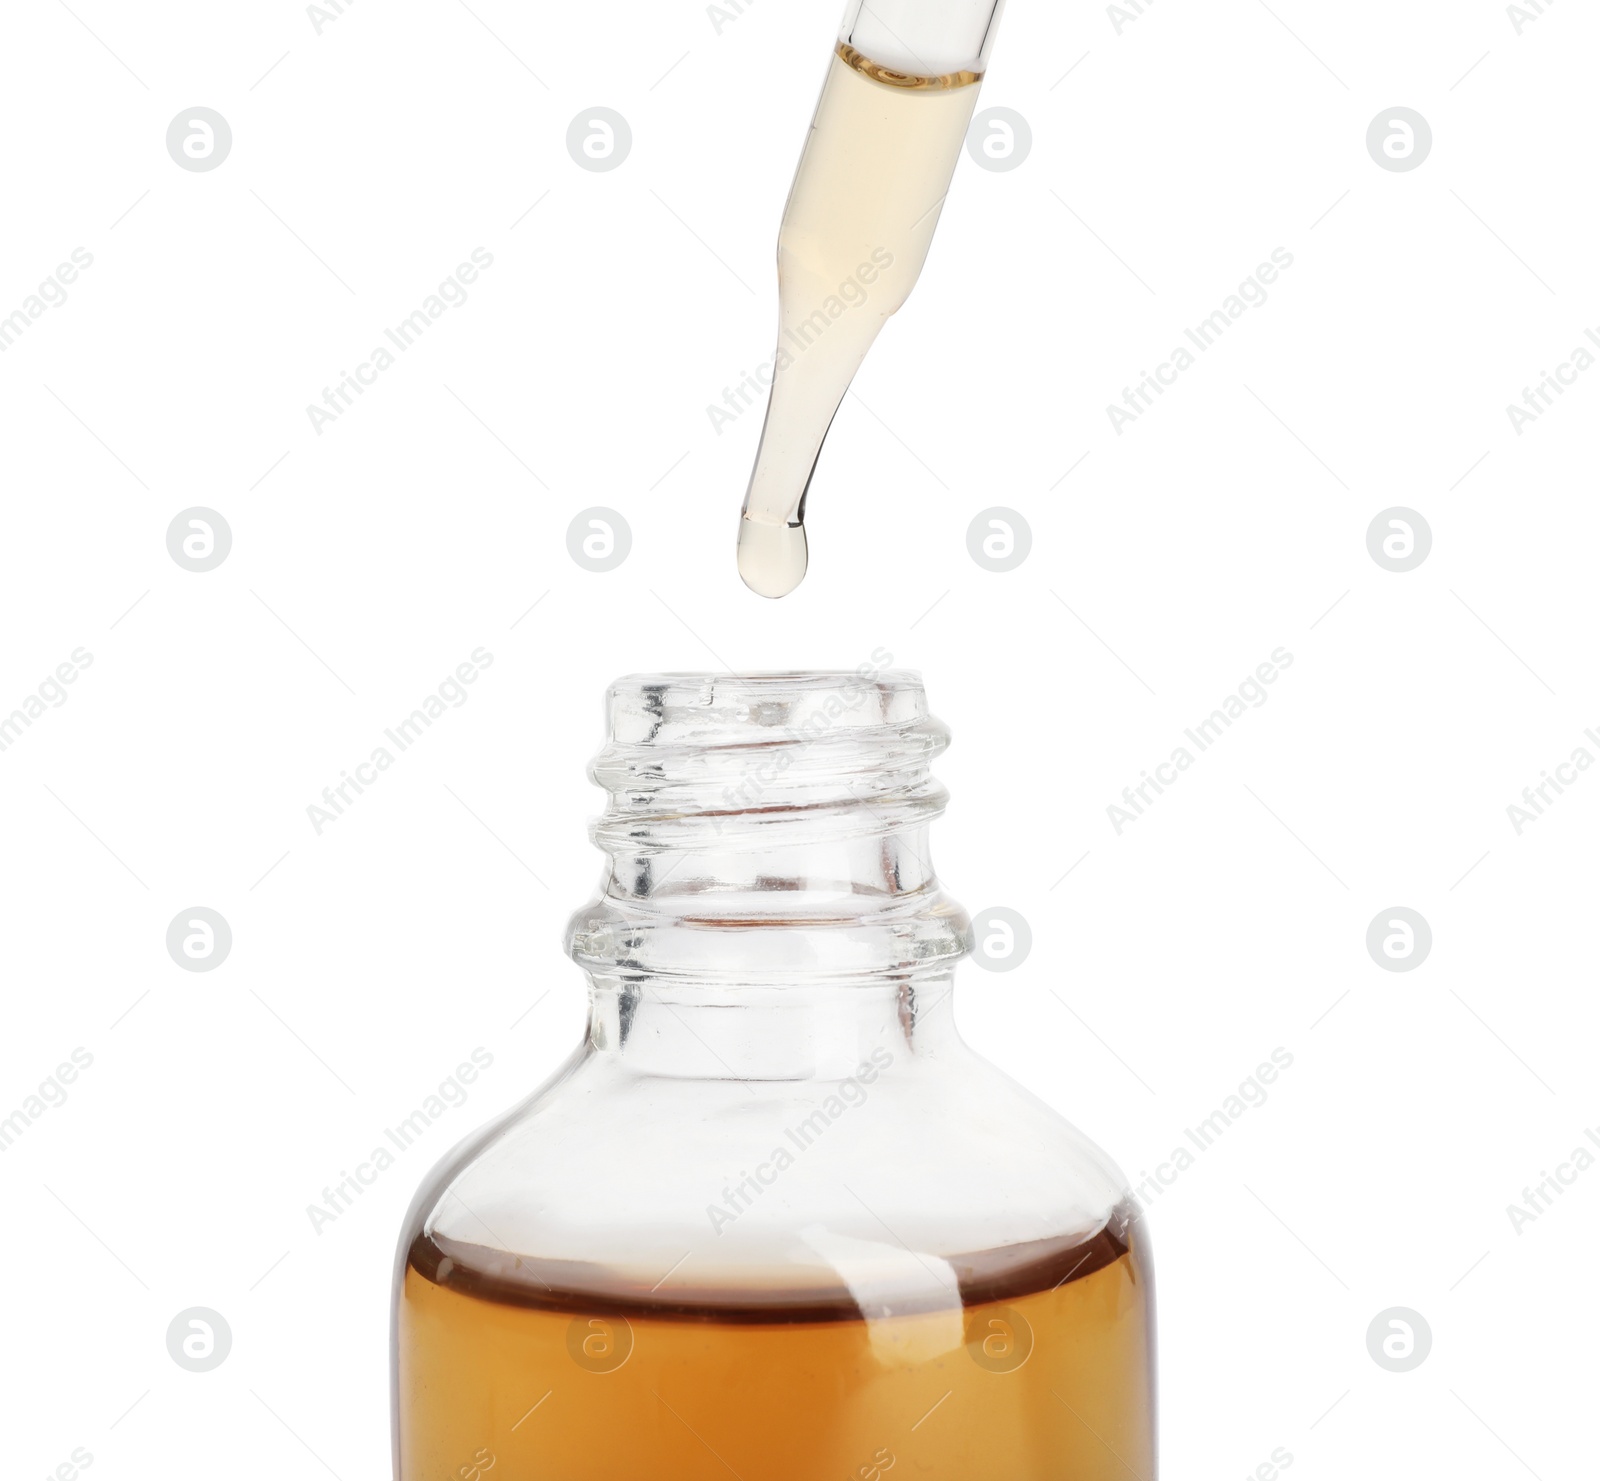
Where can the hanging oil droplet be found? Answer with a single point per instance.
(772, 557)
(861, 213)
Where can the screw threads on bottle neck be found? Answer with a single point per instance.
(739, 804)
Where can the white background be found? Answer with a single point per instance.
(367, 162)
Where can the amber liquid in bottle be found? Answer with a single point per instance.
(1038, 1370)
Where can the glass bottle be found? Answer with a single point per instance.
(773, 1217)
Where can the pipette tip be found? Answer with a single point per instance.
(772, 557)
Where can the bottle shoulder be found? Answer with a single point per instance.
(915, 1170)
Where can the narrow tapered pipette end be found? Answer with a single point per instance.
(772, 557)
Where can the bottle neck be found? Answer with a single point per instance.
(681, 1029)
(769, 832)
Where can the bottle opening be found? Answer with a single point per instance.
(699, 759)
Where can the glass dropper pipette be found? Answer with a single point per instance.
(866, 197)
